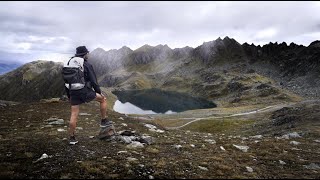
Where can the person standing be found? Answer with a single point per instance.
(91, 91)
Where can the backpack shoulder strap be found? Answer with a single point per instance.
(70, 60)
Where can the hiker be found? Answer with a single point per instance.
(85, 93)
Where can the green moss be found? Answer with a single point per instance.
(140, 68)
(256, 78)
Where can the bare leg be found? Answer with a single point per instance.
(103, 105)
(73, 119)
(107, 129)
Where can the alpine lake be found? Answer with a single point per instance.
(156, 101)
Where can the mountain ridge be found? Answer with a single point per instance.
(210, 70)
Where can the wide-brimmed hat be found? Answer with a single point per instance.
(81, 51)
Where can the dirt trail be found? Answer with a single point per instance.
(266, 109)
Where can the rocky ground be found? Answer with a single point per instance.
(34, 144)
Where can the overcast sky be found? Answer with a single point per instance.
(52, 30)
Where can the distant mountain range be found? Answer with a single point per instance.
(4, 67)
(220, 70)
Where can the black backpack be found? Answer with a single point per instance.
(73, 73)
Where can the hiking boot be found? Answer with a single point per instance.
(72, 140)
(105, 122)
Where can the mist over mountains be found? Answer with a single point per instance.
(222, 69)
(293, 66)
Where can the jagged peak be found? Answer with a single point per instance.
(269, 44)
(125, 48)
(144, 47)
(163, 46)
(293, 44)
(186, 47)
(218, 40)
(226, 38)
(247, 44)
(315, 44)
(284, 43)
(112, 50)
(209, 42)
(99, 49)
